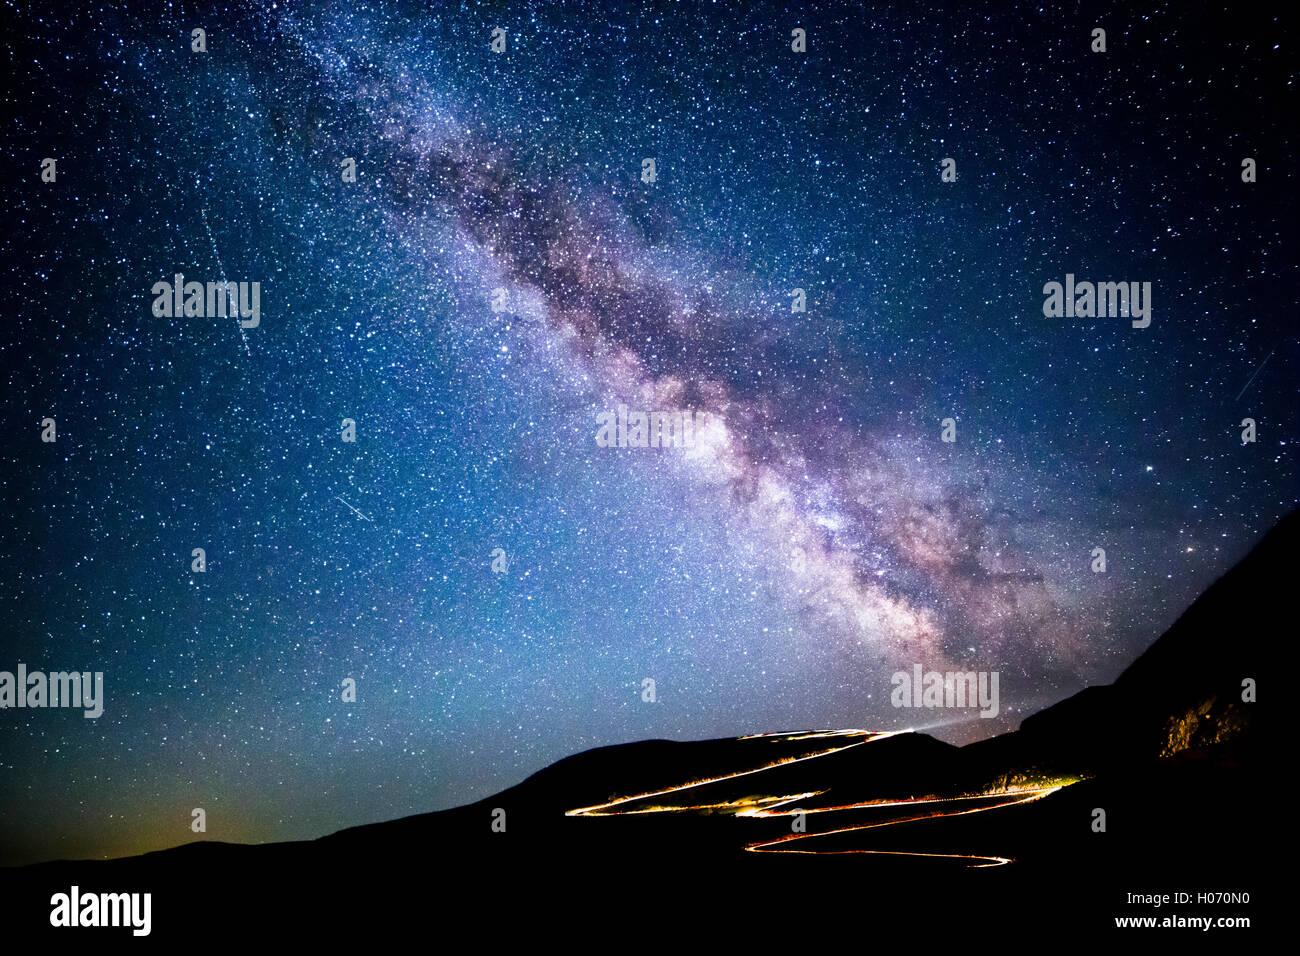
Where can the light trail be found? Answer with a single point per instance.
(990, 860)
(872, 804)
(1018, 797)
(371, 520)
(809, 734)
(1252, 377)
(222, 267)
(600, 808)
(767, 807)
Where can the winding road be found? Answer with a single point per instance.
(788, 805)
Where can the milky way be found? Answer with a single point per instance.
(818, 536)
(850, 516)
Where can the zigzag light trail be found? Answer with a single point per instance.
(766, 807)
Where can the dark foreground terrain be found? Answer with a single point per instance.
(904, 839)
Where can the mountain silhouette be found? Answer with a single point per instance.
(760, 835)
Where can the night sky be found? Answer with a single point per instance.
(819, 536)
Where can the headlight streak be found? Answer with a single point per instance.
(1025, 796)
(766, 807)
(598, 809)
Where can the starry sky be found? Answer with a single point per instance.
(817, 537)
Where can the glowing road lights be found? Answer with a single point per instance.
(787, 805)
